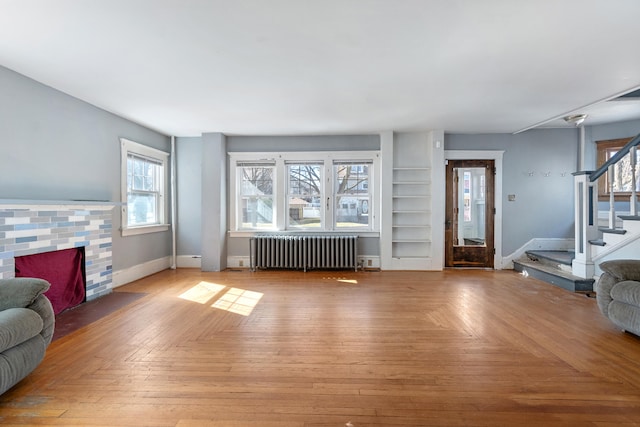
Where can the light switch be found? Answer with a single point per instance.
(511, 197)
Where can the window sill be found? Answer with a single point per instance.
(134, 231)
(251, 233)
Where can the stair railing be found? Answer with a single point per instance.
(630, 148)
(586, 206)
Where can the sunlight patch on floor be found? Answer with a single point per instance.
(203, 292)
(239, 301)
(233, 300)
(341, 279)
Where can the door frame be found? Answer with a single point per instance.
(497, 226)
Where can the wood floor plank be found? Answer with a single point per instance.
(295, 349)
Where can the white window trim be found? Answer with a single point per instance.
(280, 189)
(128, 146)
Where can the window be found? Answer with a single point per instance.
(351, 194)
(622, 180)
(316, 191)
(144, 175)
(256, 195)
(304, 195)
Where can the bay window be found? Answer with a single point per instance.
(304, 191)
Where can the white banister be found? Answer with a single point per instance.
(612, 206)
(633, 153)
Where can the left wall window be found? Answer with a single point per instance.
(144, 176)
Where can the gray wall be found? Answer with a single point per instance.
(303, 143)
(188, 195)
(544, 204)
(56, 147)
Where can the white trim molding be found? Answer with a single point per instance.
(131, 274)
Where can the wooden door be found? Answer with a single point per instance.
(470, 210)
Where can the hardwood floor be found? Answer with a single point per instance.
(293, 349)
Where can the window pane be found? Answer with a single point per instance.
(305, 190)
(352, 179)
(257, 181)
(256, 201)
(257, 212)
(352, 197)
(622, 179)
(142, 209)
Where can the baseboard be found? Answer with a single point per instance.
(189, 261)
(549, 244)
(128, 275)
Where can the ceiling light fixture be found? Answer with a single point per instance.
(575, 119)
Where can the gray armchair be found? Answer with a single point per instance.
(27, 322)
(618, 293)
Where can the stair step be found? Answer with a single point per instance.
(553, 276)
(629, 217)
(612, 230)
(598, 242)
(551, 257)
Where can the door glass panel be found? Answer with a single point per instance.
(469, 227)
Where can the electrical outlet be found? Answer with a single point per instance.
(241, 263)
(369, 263)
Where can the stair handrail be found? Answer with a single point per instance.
(615, 158)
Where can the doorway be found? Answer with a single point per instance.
(470, 213)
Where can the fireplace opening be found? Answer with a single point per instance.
(63, 269)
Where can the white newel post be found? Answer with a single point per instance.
(586, 223)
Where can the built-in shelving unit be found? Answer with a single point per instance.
(411, 227)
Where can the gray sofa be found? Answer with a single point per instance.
(26, 328)
(618, 293)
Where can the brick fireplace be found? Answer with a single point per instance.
(31, 227)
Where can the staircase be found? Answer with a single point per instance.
(555, 267)
(622, 241)
(576, 270)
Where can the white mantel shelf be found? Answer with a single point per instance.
(58, 204)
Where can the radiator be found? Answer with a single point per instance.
(304, 252)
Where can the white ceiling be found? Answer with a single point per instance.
(185, 67)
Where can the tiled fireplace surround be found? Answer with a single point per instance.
(33, 227)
